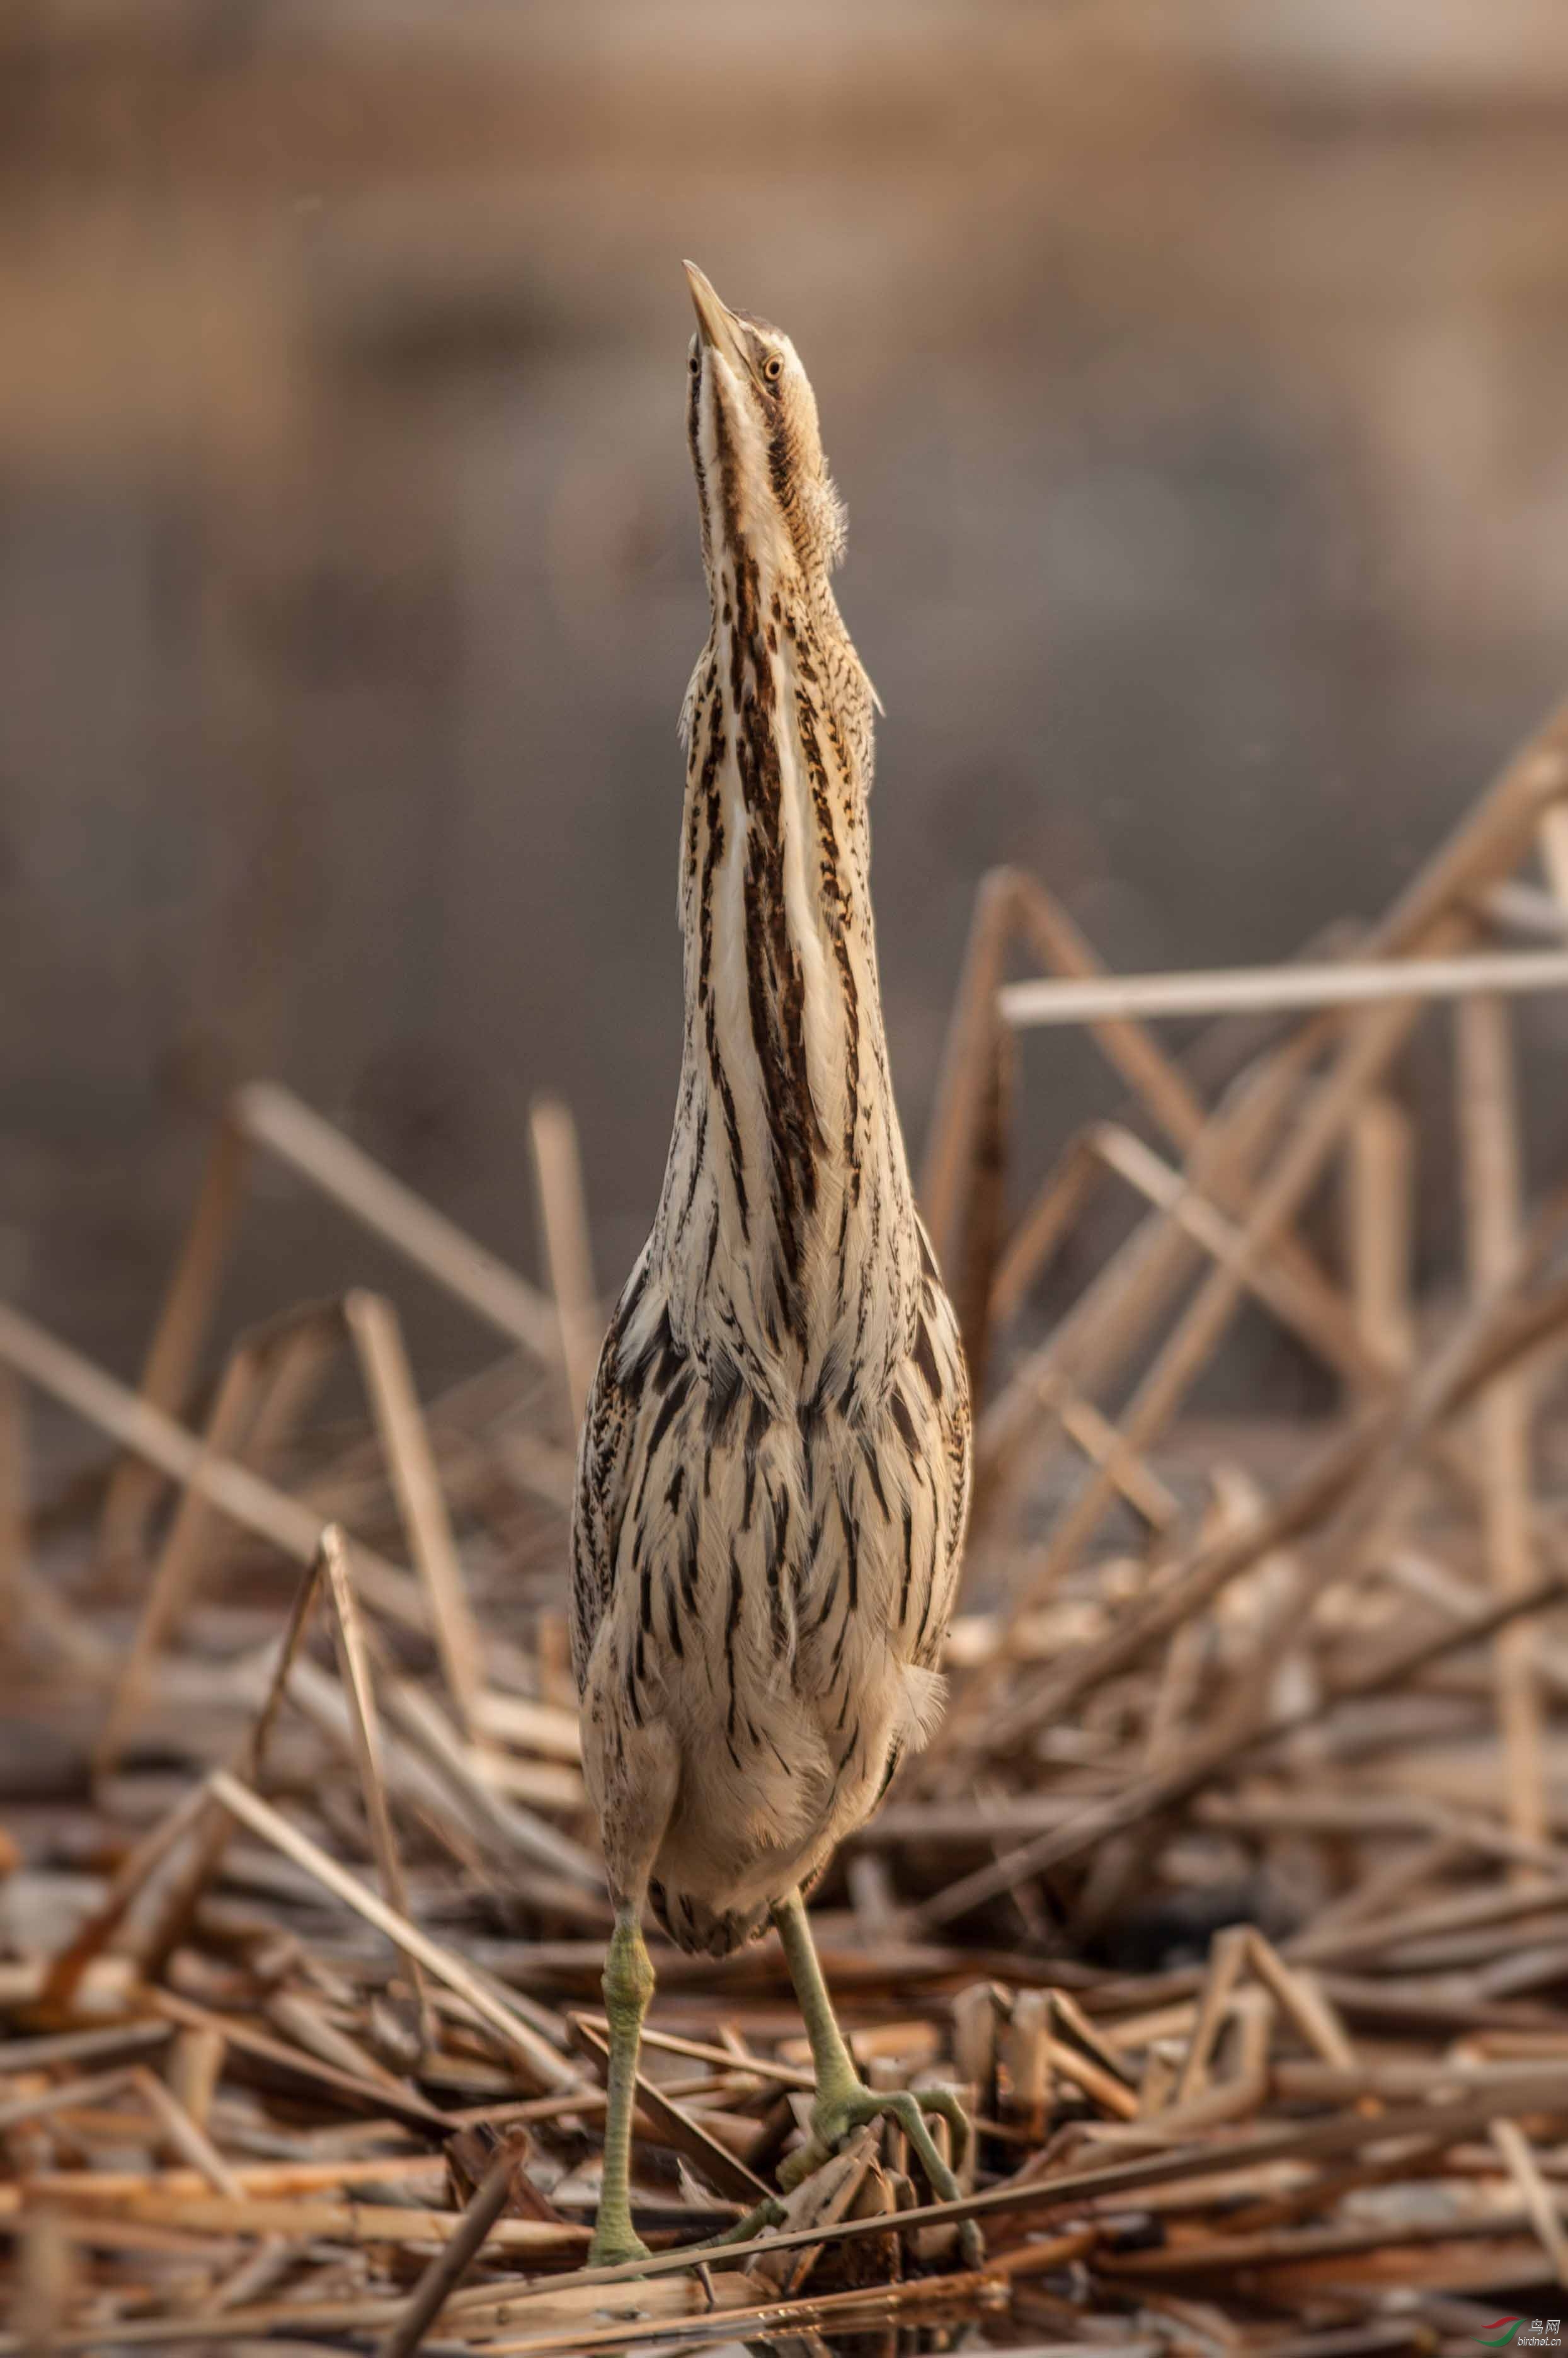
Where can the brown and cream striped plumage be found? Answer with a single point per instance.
(774, 1468)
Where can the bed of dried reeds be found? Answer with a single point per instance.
(1231, 1890)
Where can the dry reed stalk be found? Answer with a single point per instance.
(451, 2264)
(541, 2061)
(378, 1339)
(734, 2300)
(44, 2280)
(531, 1726)
(1301, 1997)
(972, 1271)
(568, 1257)
(1193, 1584)
(136, 1425)
(1096, 1439)
(353, 1668)
(1291, 1289)
(1479, 852)
(174, 1572)
(264, 1116)
(273, 1118)
(1553, 842)
(1364, 1058)
(1165, 1091)
(1213, 1752)
(1489, 1132)
(185, 2135)
(178, 1337)
(196, 2060)
(1133, 1291)
(1062, 1201)
(963, 1182)
(965, 1058)
(1155, 1081)
(13, 1504)
(191, 1816)
(1356, 1474)
(1379, 1170)
(378, 2097)
(1540, 2201)
(1268, 988)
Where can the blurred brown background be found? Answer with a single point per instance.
(1197, 377)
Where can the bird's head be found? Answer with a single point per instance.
(756, 448)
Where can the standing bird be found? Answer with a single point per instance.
(774, 1469)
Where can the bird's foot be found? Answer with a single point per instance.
(841, 2110)
(615, 2241)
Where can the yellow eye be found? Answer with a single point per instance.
(773, 368)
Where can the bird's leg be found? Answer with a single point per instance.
(628, 1986)
(843, 2102)
(838, 2082)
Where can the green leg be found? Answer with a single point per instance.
(628, 1986)
(843, 2101)
(836, 2079)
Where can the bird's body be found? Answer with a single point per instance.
(779, 1588)
(773, 1475)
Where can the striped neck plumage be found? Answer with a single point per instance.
(787, 1225)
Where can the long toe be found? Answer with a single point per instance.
(945, 2103)
(797, 2166)
(768, 2213)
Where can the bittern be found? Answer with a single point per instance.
(775, 1468)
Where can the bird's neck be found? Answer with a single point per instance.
(787, 1226)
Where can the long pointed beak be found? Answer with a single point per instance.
(716, 323)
